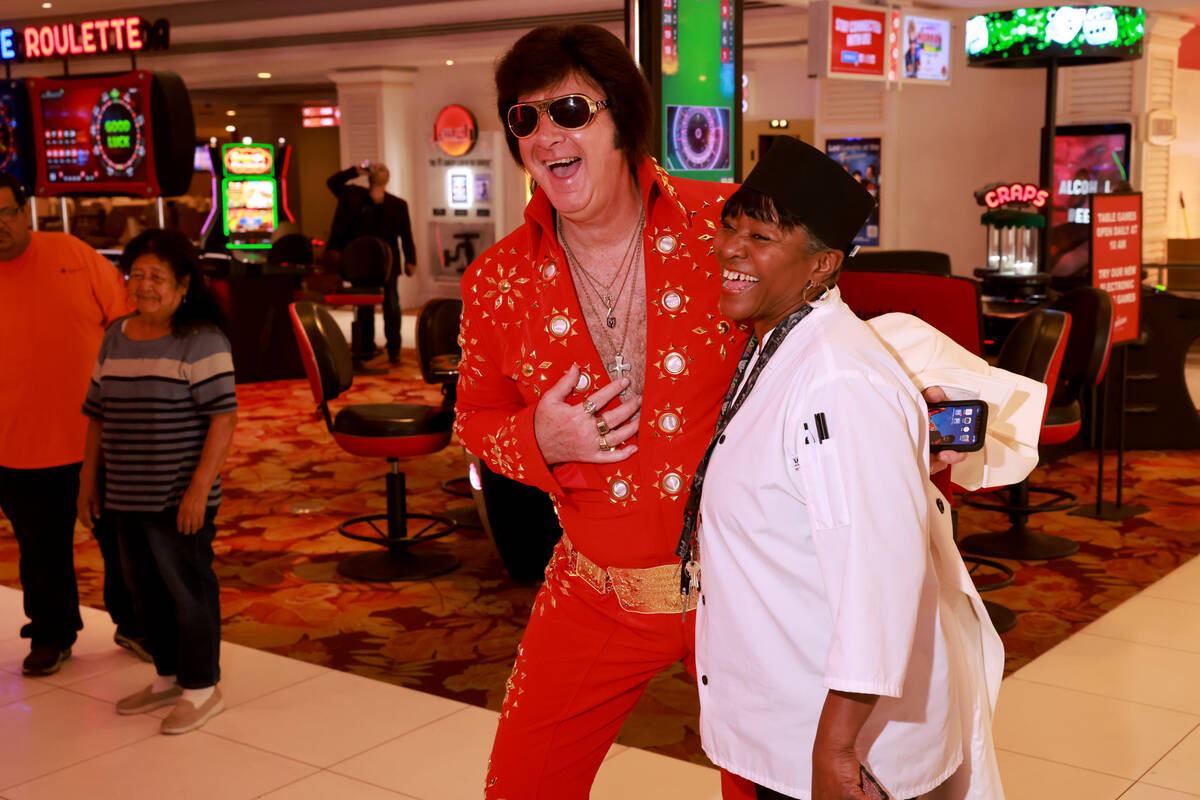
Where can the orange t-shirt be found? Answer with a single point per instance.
(56, 299)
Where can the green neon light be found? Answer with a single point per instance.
(1062, 31)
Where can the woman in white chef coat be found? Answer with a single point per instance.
(839, 639)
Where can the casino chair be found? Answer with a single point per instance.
(924, 261)
(438, 350)
(950, 304)
(1083, 365)
(292, 251)
(1036, 348)
(366, 265)
(375, 430)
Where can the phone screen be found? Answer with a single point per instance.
(956, 426)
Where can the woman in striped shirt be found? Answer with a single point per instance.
(162, 410)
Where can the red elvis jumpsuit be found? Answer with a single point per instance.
(584, 662)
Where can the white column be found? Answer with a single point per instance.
(379, 124)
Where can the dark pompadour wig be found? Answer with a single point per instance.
(548, 54)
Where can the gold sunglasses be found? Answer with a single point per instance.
(569, 112)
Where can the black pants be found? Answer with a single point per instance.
(176, 589)
(118, 596)
(391, 323)
(40, 503)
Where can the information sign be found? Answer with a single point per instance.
(1117, 258)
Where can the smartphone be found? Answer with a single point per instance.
(870, 786)
(957, 425)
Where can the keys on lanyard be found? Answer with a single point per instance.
(688, 583)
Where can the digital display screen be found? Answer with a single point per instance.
(926, 48)
(93, 135)
(699, 88)
(251, 213)
(861, 158)
(14, 133)
(1072, 33)
(202, 159)
(953, 425)
(1088, 160)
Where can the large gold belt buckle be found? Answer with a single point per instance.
(648, 590)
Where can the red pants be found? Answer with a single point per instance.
(581, 667)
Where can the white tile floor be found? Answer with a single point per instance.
(1113, 712)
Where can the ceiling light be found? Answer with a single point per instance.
(231, 113)
(449, 62)
(247, 140)
(47, 5)
(230, 128)
(264, 75)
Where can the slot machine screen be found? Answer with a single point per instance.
(93, 135)
(1088, 160)
(250, 208)
(15, 149)
(202, 159)
(700, 87)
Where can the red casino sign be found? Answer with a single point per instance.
(858, 41)
(455, 131)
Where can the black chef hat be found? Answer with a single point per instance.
(806, 184)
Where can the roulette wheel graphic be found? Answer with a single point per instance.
(697, 137)
(117, 132)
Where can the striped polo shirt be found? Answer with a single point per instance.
(154, 399)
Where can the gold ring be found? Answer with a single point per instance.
(604, 446)
(602, 426)
(589, 407)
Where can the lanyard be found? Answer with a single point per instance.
(733, 401)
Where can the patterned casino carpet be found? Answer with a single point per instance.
(287, 486)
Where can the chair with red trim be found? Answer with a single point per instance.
(366, 265)
(377, 430)
(1036, 348)
(950, 304)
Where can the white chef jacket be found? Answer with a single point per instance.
(828, 562)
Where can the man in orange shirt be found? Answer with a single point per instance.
(57, 295)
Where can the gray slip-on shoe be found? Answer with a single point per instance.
(148, 700)
(186, 717)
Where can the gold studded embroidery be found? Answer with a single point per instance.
(668, 422)
(672, 482)
(672, 301)
(505, 287)
(621, 489)
(586, 381)
(673, 362)
(560, 326)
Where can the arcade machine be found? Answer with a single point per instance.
(250, 202)
(250, 181)
(127, 134)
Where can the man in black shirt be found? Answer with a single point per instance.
(374, 212)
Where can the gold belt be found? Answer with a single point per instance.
(649, 590)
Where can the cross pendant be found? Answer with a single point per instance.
(618, 366)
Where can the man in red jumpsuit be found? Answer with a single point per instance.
(594, 365)
(550, 332)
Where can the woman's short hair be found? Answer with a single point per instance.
(549, 54)
(756, 205)
(200, 307)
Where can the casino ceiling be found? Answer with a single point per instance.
(225, 43)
